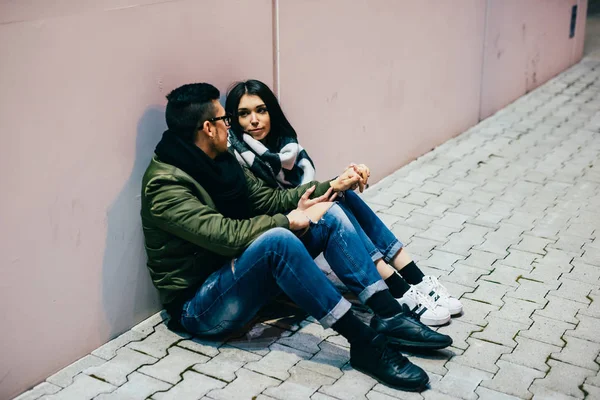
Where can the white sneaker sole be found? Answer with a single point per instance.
(434, 321)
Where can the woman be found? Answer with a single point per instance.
(263, 140)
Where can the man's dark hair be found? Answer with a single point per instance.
(280, 127)
(189, 106)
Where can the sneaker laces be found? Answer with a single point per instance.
(437, 287)
(393, 357)
(424, 301)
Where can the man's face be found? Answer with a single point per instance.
(220, 138)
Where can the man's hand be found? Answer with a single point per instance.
(306, 203)
(298, 220)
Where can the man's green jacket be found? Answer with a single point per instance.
(187, 239)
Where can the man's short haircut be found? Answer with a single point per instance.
(189, 106)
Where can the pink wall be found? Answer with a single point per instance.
(82, 107)
(527, 43)
(380, 82)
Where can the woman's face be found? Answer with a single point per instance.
(253, 116)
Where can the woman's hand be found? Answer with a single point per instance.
(349, 179)
(364, 172)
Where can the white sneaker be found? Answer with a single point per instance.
(430, 286)
(425, 308)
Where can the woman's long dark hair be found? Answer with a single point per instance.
(280, 126)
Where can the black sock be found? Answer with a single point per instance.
(384, 304)
(411, 273)
(397, 285)
(353, 329)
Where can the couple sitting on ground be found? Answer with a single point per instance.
(229, 229)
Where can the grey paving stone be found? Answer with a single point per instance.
(547, 330)
(352, 385)
(416, 197)
(475, 312)
(501, 331)
(481, 259)
(38, 391)
(438, 233)
(302, 384)
(532, 291)
(582, 353)
(564, 378)
(421, 246)
(109, 350)
(488, 292)
(503, 275)
(461, 381)
(569, 243)
(279, 360)
(328, 361)
(83, 387)
(338, 340)
(582, 230)
(193, 387)
(401, 209)
(519, 259)
(513, 379)
(64, 377)
(116, 370)
(532, 244)
(157, 343)
(465, 275)
(482, 355)
(574, 290)
(307, 338)
(488, 394)
(138, 386)
(246, 385)
(560, 309)
(404, 232)
(389, 220)
(259, 338)
(206, 347)
(459, 332)
(170, 367)
(593, 310)
(557, 257)
(380, 197)
(531, 353)
(587, 329)
(593, 392)
(451, 220)
(547, 273)
(224, 366)
(441, 260)
(434, 395)
(591, 256)
(583, 272)
(321, 396)
(420, 221)
(434, 362)
(147, 326)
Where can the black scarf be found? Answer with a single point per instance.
(223, 178)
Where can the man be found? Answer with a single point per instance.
(221, 244)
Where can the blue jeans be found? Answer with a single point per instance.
(379, 241)
(279, 261)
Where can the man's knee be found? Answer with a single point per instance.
(276, 237)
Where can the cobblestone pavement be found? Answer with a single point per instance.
(507, 215)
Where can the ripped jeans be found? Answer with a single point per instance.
(278, 261)
(379, 241)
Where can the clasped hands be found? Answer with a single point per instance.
(308, 210)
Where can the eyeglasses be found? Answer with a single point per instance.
(226, 119)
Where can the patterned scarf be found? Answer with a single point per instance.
(287, 166)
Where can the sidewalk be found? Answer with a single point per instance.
(506, 214)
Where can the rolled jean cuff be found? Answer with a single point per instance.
(371, 290)
(392, 250)
(336, 313)
(376, 255)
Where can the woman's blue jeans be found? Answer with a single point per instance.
(379, 241)
(279, 261)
